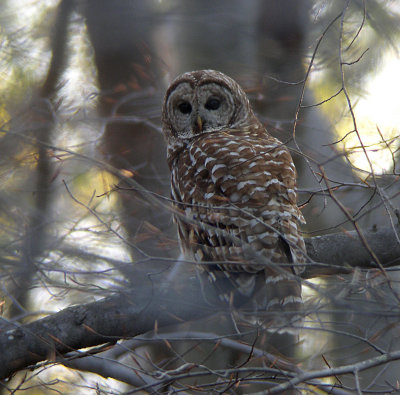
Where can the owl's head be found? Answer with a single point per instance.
(201, 102)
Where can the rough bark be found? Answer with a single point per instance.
(139, 311)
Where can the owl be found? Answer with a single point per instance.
(234, 189)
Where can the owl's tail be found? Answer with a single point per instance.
(284, 304)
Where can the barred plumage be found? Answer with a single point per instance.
(235, 186)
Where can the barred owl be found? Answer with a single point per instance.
(234, 188)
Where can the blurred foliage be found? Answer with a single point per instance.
(86, 249)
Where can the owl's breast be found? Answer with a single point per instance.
(227, 168)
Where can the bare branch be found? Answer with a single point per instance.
(136, 312)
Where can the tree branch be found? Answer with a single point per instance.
(139, 311)
(342, 252)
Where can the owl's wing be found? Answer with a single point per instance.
(238, 193)
(256, 179)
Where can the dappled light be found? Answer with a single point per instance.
(95, 294)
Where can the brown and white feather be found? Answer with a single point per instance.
(235, 186)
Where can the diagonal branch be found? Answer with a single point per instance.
(139, 311)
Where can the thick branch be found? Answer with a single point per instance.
(96, 323)
(342, 252)
(140, 311)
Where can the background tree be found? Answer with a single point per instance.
(85, 211)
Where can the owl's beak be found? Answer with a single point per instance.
(199, 123)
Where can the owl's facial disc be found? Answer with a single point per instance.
(180, 109)
(215, 106)
(200, 109)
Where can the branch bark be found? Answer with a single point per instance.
(342, 252)
(139, 311)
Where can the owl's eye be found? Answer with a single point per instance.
(185, 107)
(212, 103)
